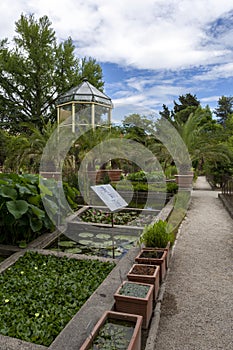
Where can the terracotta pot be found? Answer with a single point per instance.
(184, 181)
(114, 175)
(51, 175)
(145, 274)
(135, 305)
(135, 342)
(146, 257)
(167, 248)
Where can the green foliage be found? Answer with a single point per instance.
(188, 104)
(157, 234)
(39, 294)
(22, 215)
(142, 176)
(172, 187)
(224, 109)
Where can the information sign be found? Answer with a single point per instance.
(110, 197)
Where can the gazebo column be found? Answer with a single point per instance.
(73, 117)
(93, 116)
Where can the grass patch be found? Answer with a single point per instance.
(39, 294)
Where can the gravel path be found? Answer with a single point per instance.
(197, 308)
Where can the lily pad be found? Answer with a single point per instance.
(128, 246)
(103, 236)
(116, 254)
(86, 234)
(74, 250)
(123, 238)
(66, 244)
(85, 242)
(97, 244)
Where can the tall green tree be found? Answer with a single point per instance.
(188, 104)
(36, 70)
(224, 109)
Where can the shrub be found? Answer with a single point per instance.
(157, 234)
(141, 176)
(172, 187)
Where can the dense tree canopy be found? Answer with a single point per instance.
(36, 70)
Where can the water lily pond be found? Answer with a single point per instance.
(90, 244)
(124, 217)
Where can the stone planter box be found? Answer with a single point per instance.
(154, 256)
(135, 342)
(145, 274)
(135, 305)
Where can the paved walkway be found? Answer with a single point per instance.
(197, 308)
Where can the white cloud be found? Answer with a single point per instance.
(148, 35)
(216, 72)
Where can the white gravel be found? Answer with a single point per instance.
(197, 308)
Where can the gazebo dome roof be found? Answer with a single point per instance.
(85, 92)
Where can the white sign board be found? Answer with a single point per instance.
(110, 197)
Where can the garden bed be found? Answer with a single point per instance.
(39, 294)
(99, 232)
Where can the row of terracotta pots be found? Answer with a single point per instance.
(149, 271)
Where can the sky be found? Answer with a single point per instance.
(150, 51)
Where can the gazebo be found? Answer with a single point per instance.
(84, 105)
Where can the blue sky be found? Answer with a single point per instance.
(150, 51)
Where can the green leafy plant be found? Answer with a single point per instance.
(39, 294)
(22, 214)
(114, 335)
(157, 234)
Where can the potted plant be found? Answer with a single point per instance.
(158, 235)
(154, 256)
(145, 274)
(115, 330)
(135, 298)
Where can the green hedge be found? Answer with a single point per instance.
(154, 176)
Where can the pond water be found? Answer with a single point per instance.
(2, 258)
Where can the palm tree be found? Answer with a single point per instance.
(25, 150)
